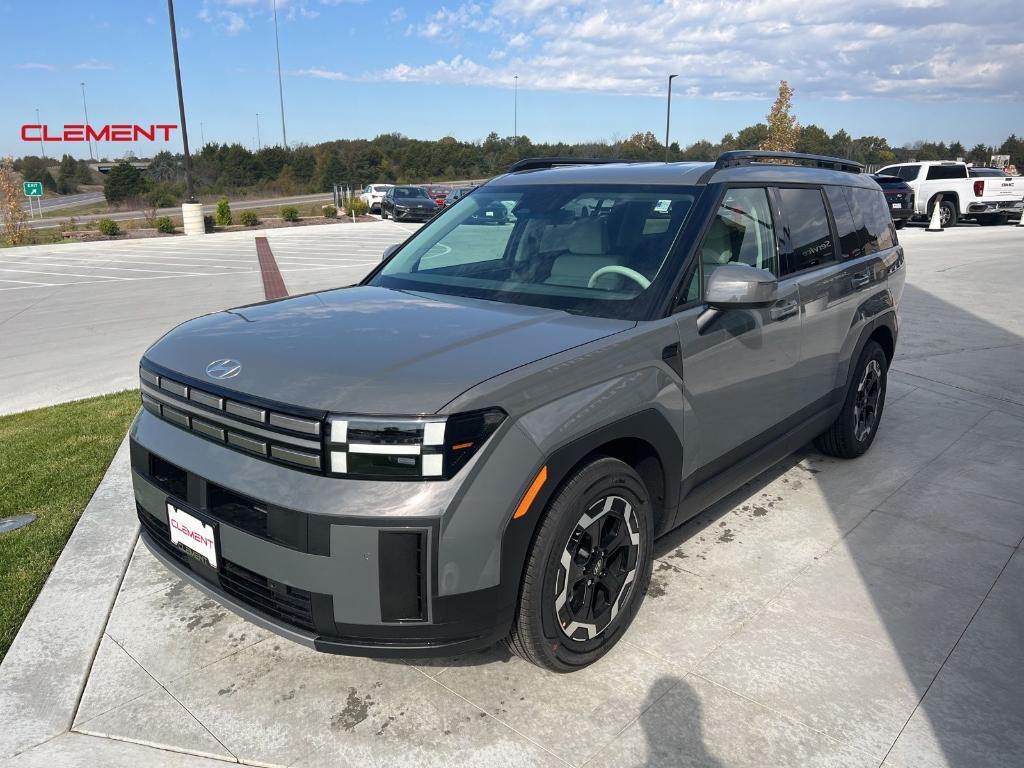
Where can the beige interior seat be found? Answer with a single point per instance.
(587, 243)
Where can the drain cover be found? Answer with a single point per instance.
(14, 523)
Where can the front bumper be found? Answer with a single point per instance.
(413, 214)
(366, 584)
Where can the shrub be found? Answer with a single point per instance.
(330, 212)
(165, 224)
(208, 223)
(290, 213)
(357, 207)
(108, 227)
(249, 218)
(223, 212)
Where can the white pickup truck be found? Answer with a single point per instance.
(967, 193)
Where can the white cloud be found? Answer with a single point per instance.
(726, 49)
(36, 65)
(397, 15)
(93, 64)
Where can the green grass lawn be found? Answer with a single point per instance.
(51, 461)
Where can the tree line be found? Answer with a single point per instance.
(392, 157)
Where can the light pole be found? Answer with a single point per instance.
(202, 136)
(280, 86)
(515, 110)
(86, 110)
(668, 113)
(42, 144)
(189, 191)
(259, 142)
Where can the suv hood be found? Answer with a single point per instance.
(371, 350)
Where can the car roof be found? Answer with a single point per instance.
(679, 174)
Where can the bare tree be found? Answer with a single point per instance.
(13, 215)
(783, 129)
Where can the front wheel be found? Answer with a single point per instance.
(853, 431)
(588, 568)
(383, 213)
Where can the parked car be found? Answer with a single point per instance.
(986, 200)
(1001, 180)
(482, 439)
(407, 204)
(899, 196)
(373, 194)
(437, 193)
(457, 194)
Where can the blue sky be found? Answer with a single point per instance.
(903, 69)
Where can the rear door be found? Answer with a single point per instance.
(738, 369)
(839, 263)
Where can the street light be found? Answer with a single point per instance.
(668, 113)
(189, 192)
(280, 86)
(259, 142)
(86, 110)
(515, 110)
(42, 144)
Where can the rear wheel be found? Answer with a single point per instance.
(853, 431)
(587, 570)
(900, 223)
(947, 214)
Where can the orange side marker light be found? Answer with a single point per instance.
(531, 493)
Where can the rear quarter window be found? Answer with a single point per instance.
(849, 237)
(872, 218)
(808, 235)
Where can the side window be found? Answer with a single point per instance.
(872, 219)
(741, 232)
(809, 235)
(947, 172)
(849, 237)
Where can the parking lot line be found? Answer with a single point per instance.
(28, 283)
(61, 274)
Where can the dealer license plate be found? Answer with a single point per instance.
(193, 534)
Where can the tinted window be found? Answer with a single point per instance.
(849, 237)
(872, 218)
(741, 232)
(947, 172)
(987, 172)
(809, 236)
(905, 172)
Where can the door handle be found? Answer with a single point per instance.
(860, 279)
(784, 310)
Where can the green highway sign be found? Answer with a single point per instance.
(33, 188)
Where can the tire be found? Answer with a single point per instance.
(610, 581)
(900, 223)
(948, 214)
(986, 221)
(383, 213)
(854, 429)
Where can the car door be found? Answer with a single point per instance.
(737, 369)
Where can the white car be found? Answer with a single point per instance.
(964, 195)
(373, 194)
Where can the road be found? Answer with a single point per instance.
(209, 208)
(75, 317)
(67, 201)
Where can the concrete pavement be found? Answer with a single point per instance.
(830, 613)
(76, 317)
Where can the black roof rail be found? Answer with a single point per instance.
(749, 156)
(538, 163)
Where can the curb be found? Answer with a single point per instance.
(44, 673)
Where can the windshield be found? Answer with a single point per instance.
(585, 249)
(409, 192)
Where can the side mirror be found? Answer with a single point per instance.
(738, 286)
(389, 250)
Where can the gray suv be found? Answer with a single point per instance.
(482, 440)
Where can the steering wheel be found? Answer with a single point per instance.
(617, 269)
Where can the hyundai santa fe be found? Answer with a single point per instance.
(482, 439)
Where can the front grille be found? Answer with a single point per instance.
(288, 604)
(276, 601)
(283, 438)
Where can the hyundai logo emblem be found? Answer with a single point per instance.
(225, 368)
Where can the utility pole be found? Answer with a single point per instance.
(202, 136)
(515, 110)
(668, 113)
(42, 144)
(280, 86)
(259, 142)
(86, 110)
(190, 194)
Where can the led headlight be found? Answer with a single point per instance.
(417, 448)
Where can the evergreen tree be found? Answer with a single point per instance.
(783, 129)
(124, 181)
